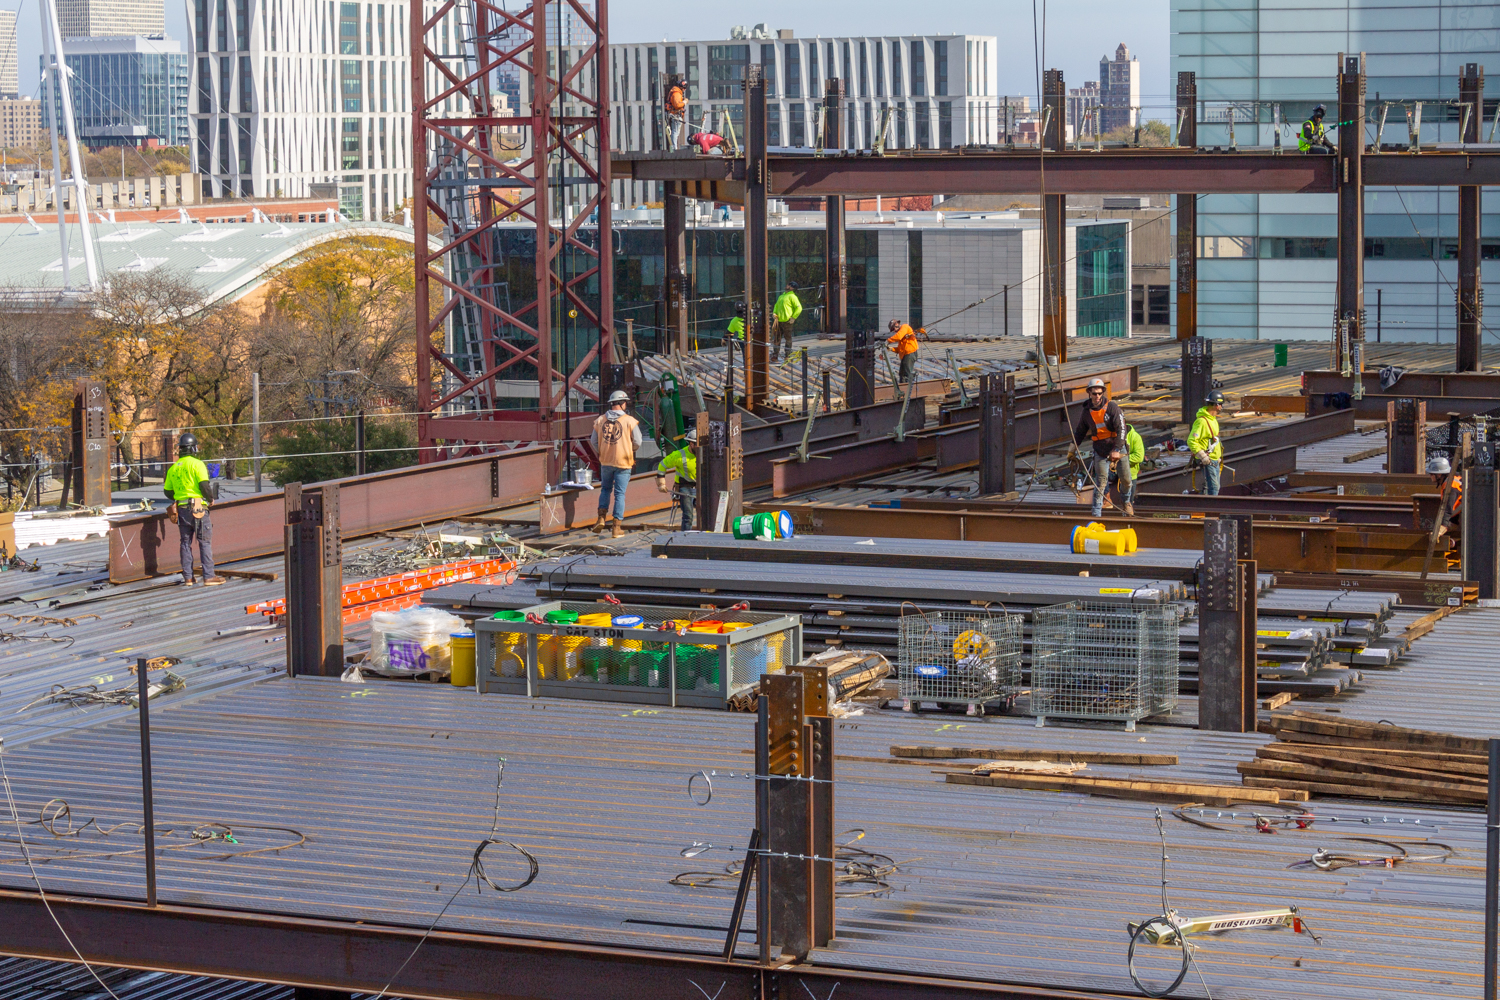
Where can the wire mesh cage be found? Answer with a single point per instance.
(1104, 661)
(650, 655)
(959, 658)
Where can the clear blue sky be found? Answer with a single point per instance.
(1078, 31)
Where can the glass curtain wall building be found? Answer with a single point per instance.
(1267, 262)
(126, 91)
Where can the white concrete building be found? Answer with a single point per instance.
(110, 18)
(10, 76)
(935, 91)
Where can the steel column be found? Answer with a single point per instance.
(674, 234)
(784, 816)
(1351, 212)
(721, 469)
(1406, 436)
(859, 369)
(1492, 871)
(1187, 213)
(1197, 373)
(1470, 303)
(91, 444)
(997, 433)
(1481, 517)
(1221, 630)
(820, 746)
(1054, 225)
(757, 262)
(835, 256)
(314, 581)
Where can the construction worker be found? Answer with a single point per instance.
(1442, 472)
(709, 141)
(788, 307)
(903, 340)
(1312, 138)
(1135, 452)
(616, 437)
(676, 112)
(1204, 443)
(684, 463)
(187, 487)
(1103, 423)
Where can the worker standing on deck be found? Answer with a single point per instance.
(684, 463)
(1135, 453)
(187, 486)
(1204, 443)
(903, 340)
(788, 307)
(616, 437)
(676, 113)
(1312, 138)
(1103, 422)
(1442, 472)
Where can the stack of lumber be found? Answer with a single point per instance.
(1325, 755)
(853, 673)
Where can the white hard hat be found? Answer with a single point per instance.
(619, 396)
(1096, 383)
(1438, 465)
(692, 435)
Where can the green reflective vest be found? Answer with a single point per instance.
(1311, 135)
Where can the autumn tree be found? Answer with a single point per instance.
(36, 378)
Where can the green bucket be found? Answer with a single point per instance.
(510, 616)
(754, 526)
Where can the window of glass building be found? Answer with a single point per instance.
(671, 60)
(246, 145)
(205, 86)
(380, 21)
(880, 69)
(918, 69)
(914, 277)
(798, 125)
(773, 124)
(242, 24)
(940, 68)
(1101, 280)
(222, 20)
(349, 29)
(226, 83)
(793, 71)
(352, 85)
(945, 124)
(350, 146)
(1227, 246)
(726, 72)
(653, 71)
(812, 71)
(898, 85)
(693, 82)
(200, 26)
(768, 65)
(924, 125)
(864, 70)
(247, 85)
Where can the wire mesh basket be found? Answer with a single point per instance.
(959, 658)
(1104, 661)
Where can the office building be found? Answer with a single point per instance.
(564, 28)
(127, 91)
(925, 91)
(10, 76)
(1267, 266)
(1083, 110)
(309, 98)
(1120, 90)
(20, 123)
(110, 18)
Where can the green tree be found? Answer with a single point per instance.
(303, 449)
(1153, 133)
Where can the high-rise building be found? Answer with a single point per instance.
(307, 97)
(565, 28)
(126, 91)
(1120, 90)
(110, 18)
(20, 123)
(10, 76)
(923, 91)
(1083, 110)
(1268, 263)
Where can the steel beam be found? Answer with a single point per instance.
(1481, 521)
(997, 433)
(784, 817)
(859, 368)
(674, 235)
(1117, 381)
(1238, 468)
(1221, 630)
(757, 185)
(1482, 385)
(1186, 205)
(1197, 374)
(1406, 436)
(314, 581)
(564, 510)
(835, 258)
(1351, 206)
(865, 458)
(1054, 225)
(1306, 548)
(146, 545)
(765, 444)
(91, 444)
(1470, 304)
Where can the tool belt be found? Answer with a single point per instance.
(199, 507)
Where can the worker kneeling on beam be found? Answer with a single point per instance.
(187, 486)
(683, 463)
(1442, 476)
(1312, 138)
(1204, 443)
(1135, 453)
(903, 340)
(616, 437)
(1103, 422)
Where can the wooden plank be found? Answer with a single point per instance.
(1445, 791)
(1276, 700)
(1149, 791)
(1395, 736)
(246, 574)
(1368, 765)
(1450, 762)
(1338, 791)
(1427, 622)
(1015, 753)
(1287, 736)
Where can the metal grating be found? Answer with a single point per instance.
(960, 658)
(1102, 661)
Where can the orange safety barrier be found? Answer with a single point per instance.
(390, 587)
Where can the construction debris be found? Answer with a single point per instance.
(1016, 753)
(1125, 788)
(1353, 759)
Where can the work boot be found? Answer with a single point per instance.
(213, 581)
(616, 529)
(187, 581)
(599, 524)
(1129, 509)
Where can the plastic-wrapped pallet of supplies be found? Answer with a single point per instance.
(413, 641)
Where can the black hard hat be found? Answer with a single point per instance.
(739, 309)
(1215, 398)
(187, 444)
(791, 286)
(1319, 110)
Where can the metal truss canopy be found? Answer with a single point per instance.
(478, 164)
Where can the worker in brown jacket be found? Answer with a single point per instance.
(616, 437)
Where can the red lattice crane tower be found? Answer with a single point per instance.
(481, 165)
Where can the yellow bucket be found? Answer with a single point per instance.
(461, 645)
(510, 654)
(596, 621)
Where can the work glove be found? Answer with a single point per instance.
(1200, 458)
(172, 513)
